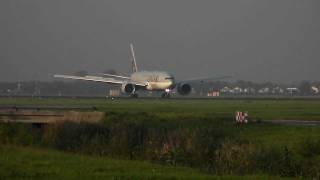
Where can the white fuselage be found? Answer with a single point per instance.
(156, 80)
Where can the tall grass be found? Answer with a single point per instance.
(213, 144)
(37, 163)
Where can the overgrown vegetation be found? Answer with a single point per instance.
(216, 146)
(200, 135)
(34, 163)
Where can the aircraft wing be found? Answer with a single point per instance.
(202, 79)
(116, 76)
(97, 79)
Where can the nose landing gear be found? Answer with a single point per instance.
(166, 94)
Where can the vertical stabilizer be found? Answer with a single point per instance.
(133, 60)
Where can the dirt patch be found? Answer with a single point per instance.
(46, 116)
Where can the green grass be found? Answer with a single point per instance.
(258, 109)
(176, 119)
(34, 163)
(170, 110)
(278, 135)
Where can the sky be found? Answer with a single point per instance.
(259, 41)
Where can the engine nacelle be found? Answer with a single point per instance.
(184, 89)
(128, 88)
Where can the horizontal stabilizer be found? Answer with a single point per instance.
(199, 79)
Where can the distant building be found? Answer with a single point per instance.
(315, 90)
(213, 94)
(249, 90)
(237, 90)
(292, 90)
(264, 90)
(225, 90)
(277, 90)
(114, 93)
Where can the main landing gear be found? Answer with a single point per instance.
(166, 94)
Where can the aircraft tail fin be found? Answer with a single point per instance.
(133, 60)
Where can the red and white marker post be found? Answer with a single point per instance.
(241, 117)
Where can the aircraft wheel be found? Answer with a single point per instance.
(165, 95)
(134, 95)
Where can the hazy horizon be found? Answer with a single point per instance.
(259, 41)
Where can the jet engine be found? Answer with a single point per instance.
(128, 88)
(184, 89)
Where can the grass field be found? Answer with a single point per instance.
(258, 109)
(34, 163)
(22, 162)
(198, 133)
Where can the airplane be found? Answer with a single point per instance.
(144, 80)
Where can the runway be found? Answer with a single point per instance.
(189, 97)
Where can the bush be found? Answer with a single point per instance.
(17, 133)
(235, 158)
(77, 137)
(309, 148)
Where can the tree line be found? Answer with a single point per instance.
(86, 88)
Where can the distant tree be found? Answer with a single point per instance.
(244, 84)
(81, 73)
(305, 88)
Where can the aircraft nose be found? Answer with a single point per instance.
(171, 83)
